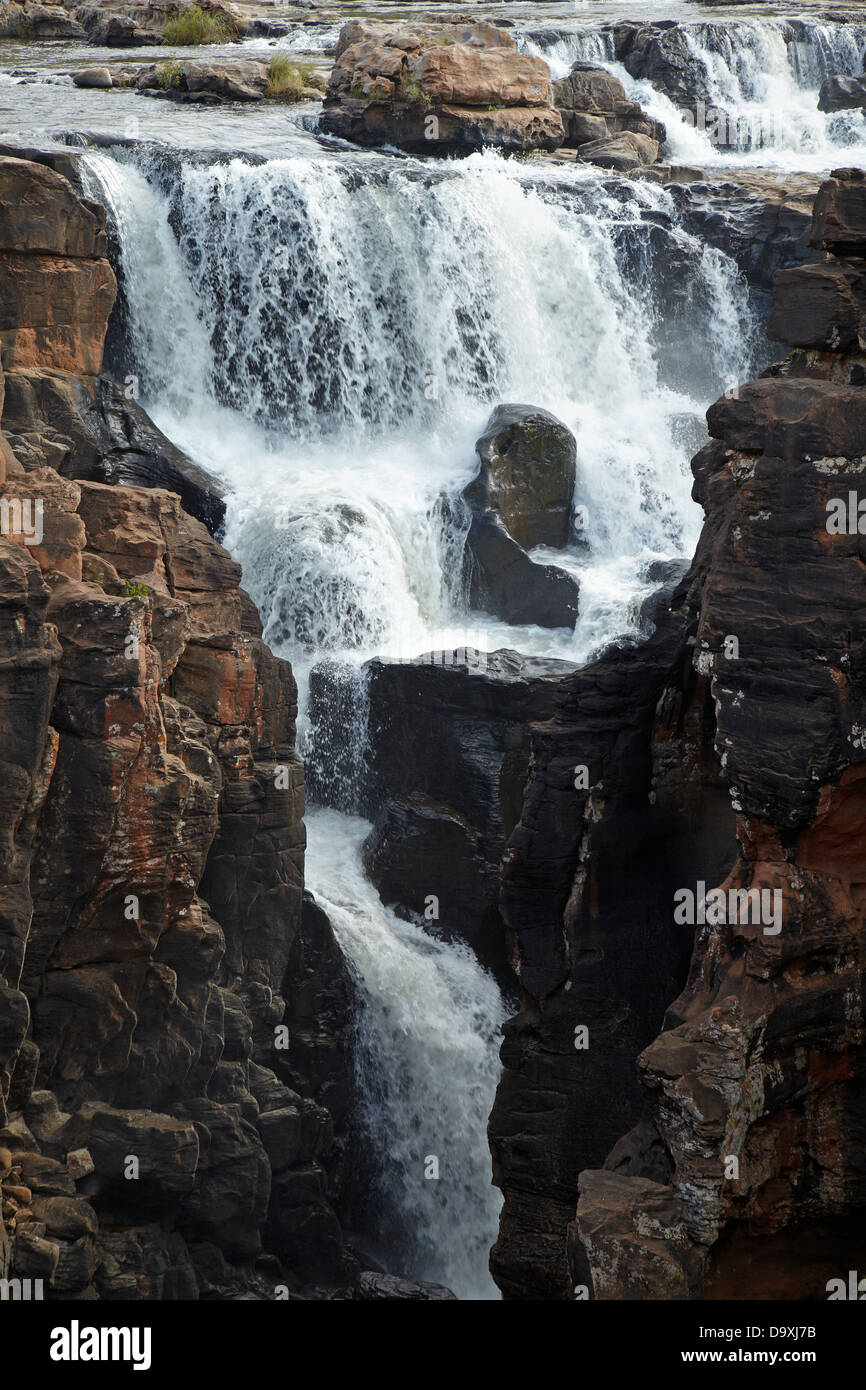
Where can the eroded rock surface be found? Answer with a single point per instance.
(727, 753)
(155, 1139)
(439, 89)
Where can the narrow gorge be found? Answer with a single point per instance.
(432, 695)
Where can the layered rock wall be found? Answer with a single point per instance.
(739, 727)
(154, 1140)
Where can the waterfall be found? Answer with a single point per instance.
(762, 76)
(328, 336)
(353, 322)
(427, 1070)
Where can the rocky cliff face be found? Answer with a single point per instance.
(685, 885)
(160, 1134)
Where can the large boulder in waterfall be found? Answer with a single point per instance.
(664, 57)
(593, 105)
(502, 580)
(521, 497)
(439, 89)
(842, 94)
(528, 469)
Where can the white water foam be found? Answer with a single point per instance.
(764, 74)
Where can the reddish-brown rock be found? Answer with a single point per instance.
(439, 90)
(56, 286)
(727, 753)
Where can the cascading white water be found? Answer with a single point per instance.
(366, 317)
(328, 337)
(428, 1067)
(763, 74)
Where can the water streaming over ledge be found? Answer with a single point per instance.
(763, 74)
(329, 337)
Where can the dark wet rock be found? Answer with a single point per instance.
(374, 1287)
(842, 94)
(723, 781)
(611, 819)
(821, 306)
(792, 418)
(666, 574)
(840, 213)
(448, 756)
(502, 580)
(92, 429)
(521, 498)
(417, 842)
(320, 1018)
(528, 468)
(763, 222)
(663, 57)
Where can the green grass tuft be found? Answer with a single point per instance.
(170, 74)
(195, 26)
(287, 78)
